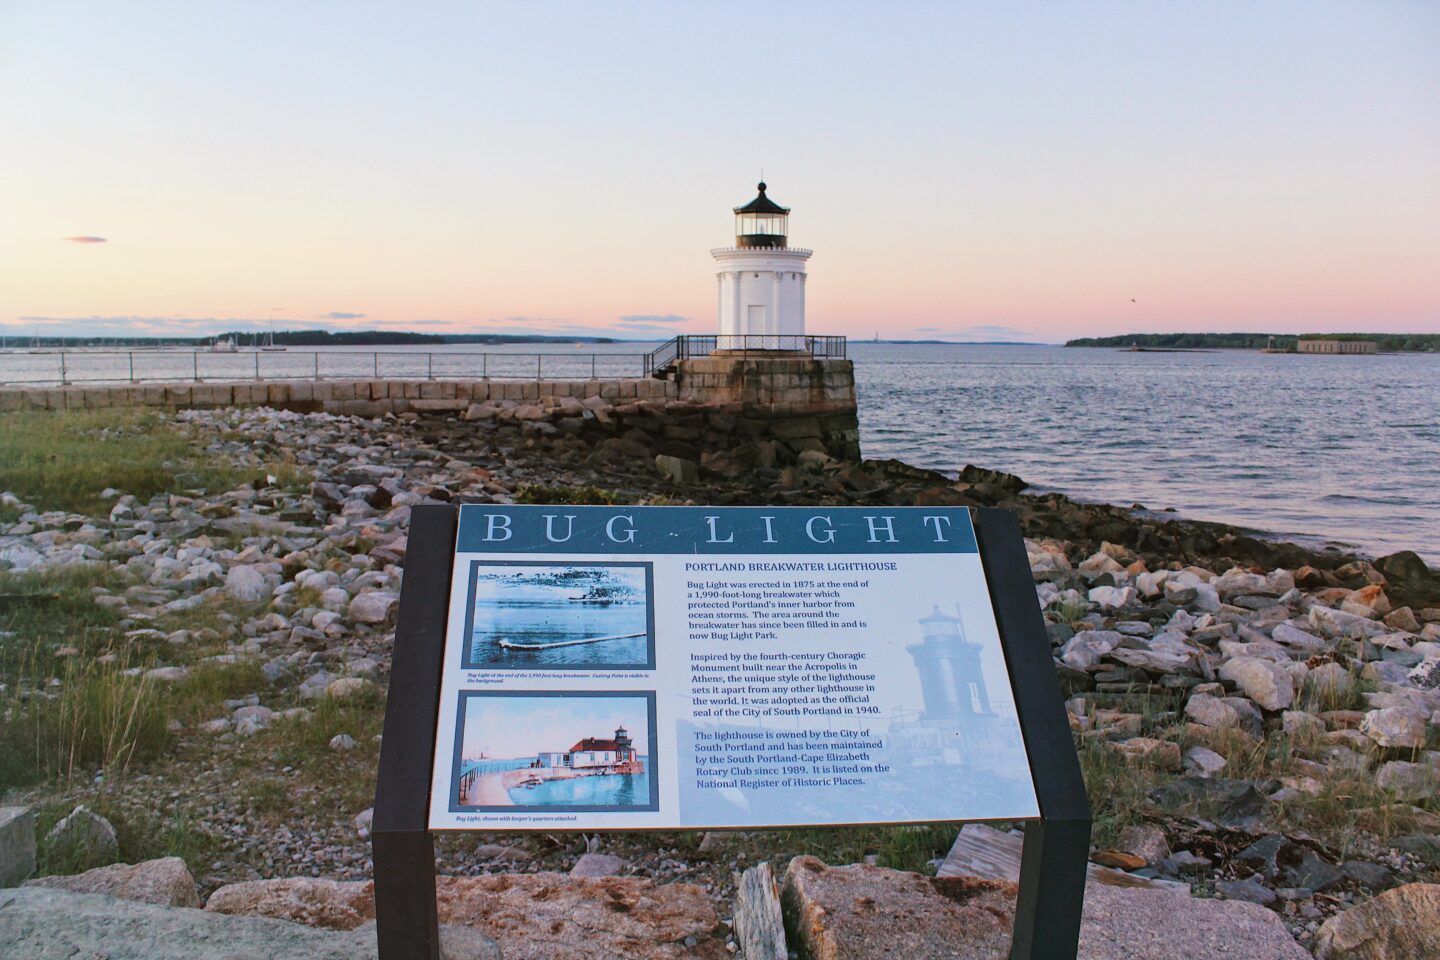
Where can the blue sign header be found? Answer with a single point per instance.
(503, 528)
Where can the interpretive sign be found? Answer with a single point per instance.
(621, 667)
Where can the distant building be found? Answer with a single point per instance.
(593, 752)
(1335, 346)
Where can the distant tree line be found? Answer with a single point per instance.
(1388, 342)
(301, 338)
(368, 338)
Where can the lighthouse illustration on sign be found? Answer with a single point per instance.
(960, 725)
(761, 281)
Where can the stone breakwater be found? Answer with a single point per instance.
(1252, 685)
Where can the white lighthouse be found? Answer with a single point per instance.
(762, 281)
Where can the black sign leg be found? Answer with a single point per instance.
(401, 845)
(1057, 846)
(1052, 890)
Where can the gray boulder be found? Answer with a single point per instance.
(1267, 683)
(85, 836)
(247, 584)
(166, 882)
(45, 924)
(17, 844)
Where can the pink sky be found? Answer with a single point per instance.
(1027, 172)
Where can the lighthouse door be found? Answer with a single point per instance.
(755, 324)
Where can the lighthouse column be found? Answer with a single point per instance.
(772, 316)
(737, 310)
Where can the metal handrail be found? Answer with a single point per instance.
(201, 366)
(690, 346)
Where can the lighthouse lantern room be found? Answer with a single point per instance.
(761, 282)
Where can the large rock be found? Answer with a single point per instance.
(1408, 781)
(166, 882)
(759, 923)
(17, 844)
(535, 916)
(1267, 683)
(1394, 727)
(861, 912)
(597, 865)
(1085, 650)
(1399, 923)
(1113, 598)
(38, 923)
(313, 901)
(542, 916)
(247, 584)
(84, 836)
(677, 469)
(1211, 711)
(377, 606)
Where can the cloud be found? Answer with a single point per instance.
(85, 239)
(138, 326)
(652, 318)
(342, 315)
(977, 331)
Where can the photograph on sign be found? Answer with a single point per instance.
(801, 666)
(537, 615)
(553, 750)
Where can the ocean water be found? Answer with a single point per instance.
(1314, 449)
(607, 790)
(546, 621)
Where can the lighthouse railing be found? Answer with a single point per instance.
(692, 346)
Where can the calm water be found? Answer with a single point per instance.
(539, 621)
(610, 789)
(1316, 449)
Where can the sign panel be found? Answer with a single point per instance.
(689, 667)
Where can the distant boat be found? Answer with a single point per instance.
(224, 345)
(268, 344)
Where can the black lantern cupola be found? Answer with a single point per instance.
(761, 223)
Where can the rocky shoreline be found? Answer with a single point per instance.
(1272, 709)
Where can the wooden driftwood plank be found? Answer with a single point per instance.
(759, 926)
(981, 851)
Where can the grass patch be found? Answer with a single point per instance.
(1068, 611)
(195, 698)
(142, 835)
(95, 716)
(1118, 790)
(1319, 697)
(63, 460)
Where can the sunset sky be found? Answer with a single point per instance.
(970, 171)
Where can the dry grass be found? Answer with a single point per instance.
(64, 460)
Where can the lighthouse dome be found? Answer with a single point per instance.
(762, 222)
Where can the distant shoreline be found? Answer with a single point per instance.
(1278, 342)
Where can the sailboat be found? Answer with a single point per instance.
(268, 344)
